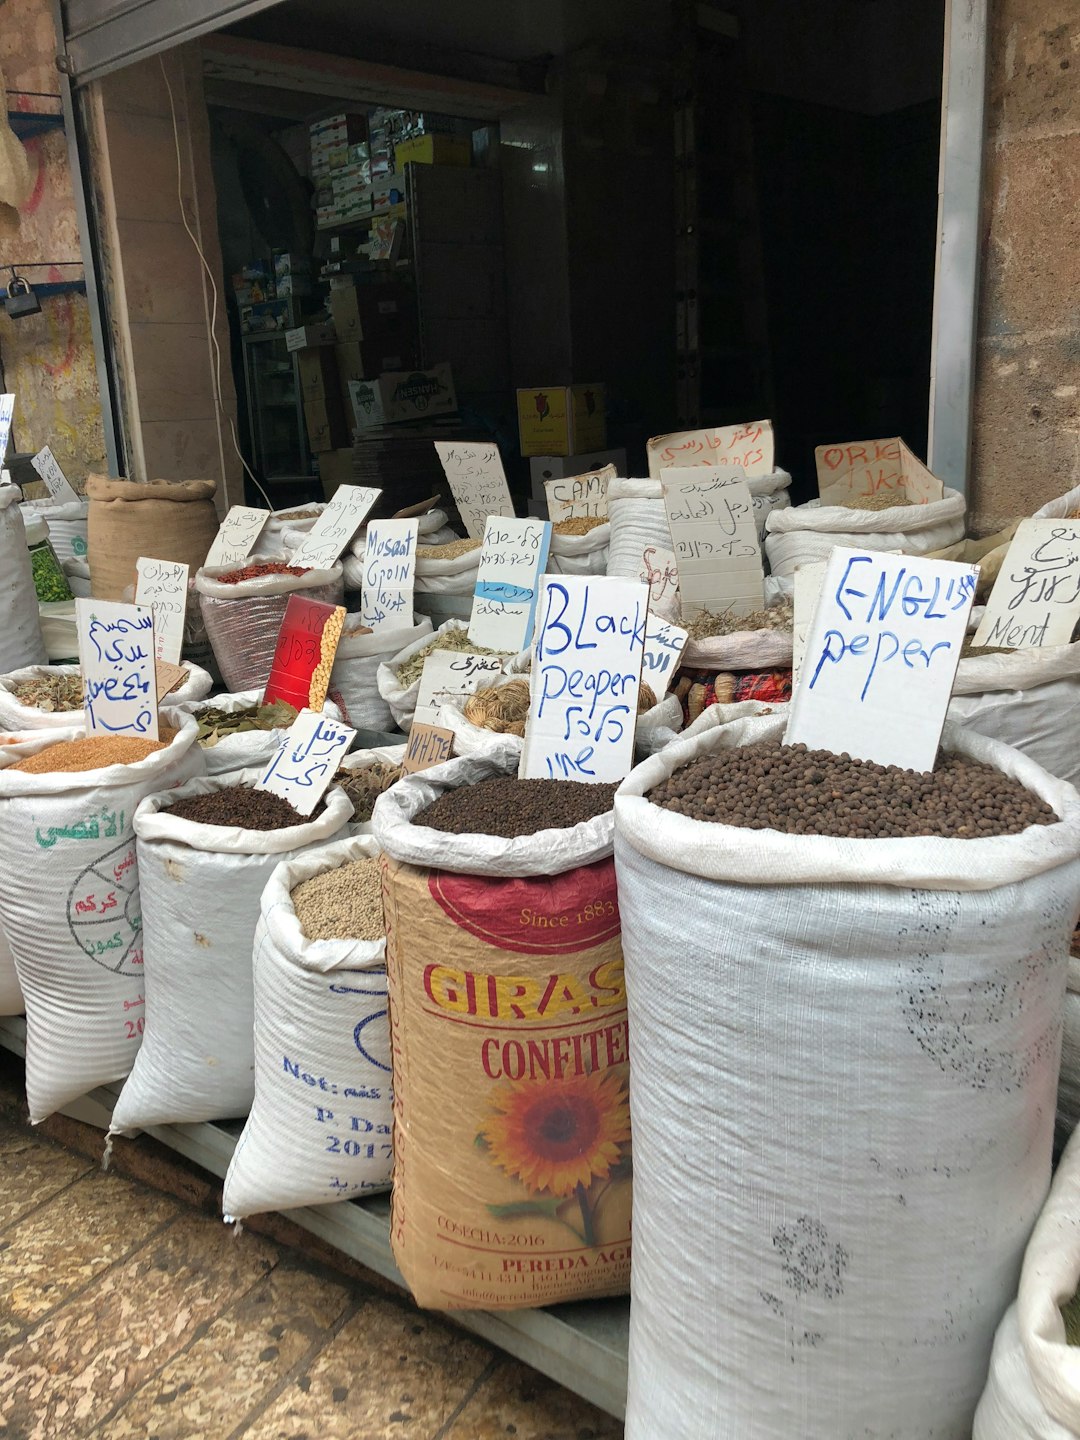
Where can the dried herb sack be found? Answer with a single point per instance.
(15, 714)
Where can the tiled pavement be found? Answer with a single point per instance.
(127, 1309)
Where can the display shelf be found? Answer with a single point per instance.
(581, 1345)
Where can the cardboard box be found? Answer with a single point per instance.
(270, 315)
(335, 468)
(403, 395)
(434, 150)
(556, 467)
(305, 335)
(562, 419)
(318, 372)
(287, 263)
(368, 312)
(293, 285)
(326, 425)
(367, 360)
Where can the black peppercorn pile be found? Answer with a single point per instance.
(814, 792)
(243, 807)
(508, 807)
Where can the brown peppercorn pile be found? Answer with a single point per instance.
(258, 569)
(93, 752)
(769, 786)
(243, 807)
(509, 807)
(880, 500)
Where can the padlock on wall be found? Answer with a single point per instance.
(20, 299)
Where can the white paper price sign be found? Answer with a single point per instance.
(7, 410)
(664, 645)
(881, 657)
(864, 468)
(307, 760)
(1036, 596)
(53, 478)
(579, 496)
(805, 593)
(749, 448)
(116, 654)
(236, 535)
(336, 526)
(715, 537)
(163, 585)
(386, 593)
(586, 671)
(448, 675)
(477, 482)
(660, 571)
(512, 560)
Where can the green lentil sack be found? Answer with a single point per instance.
(845, 1060)
(201, 886)
(71, 910)
(320, 1126)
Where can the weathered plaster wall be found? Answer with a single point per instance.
(48, 359)
(1027, 406)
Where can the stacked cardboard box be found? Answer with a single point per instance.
(562, 419)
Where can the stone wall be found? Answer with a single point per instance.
(1027, 403)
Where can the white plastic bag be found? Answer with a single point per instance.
(842, 1103)
(353, 682)
(1062, 508)
(580, 554)
(806, 533)
(69, 906)
(1028, 698)
(67, 526)
(247, 748)
(21, 642)
(14, 715)
(1033, 1392)
(1068, 1100)
(14, 747)
(200, 887)
(321, 1029)
(282, 534)
(77, 573)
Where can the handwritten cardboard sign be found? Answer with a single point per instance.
(449, 674)
(307, 760)
(660, 571)
(7, 410)
(53, 478)
(579, 496)
(881, 657)
(477, 482)
(167, 677)
(336, 526)
(304, 656)
(236, 535)
(749, 448)
(386, 592)
(586, 671)
(664, 645)
(865, 468)
(163, 585)
(715, 536)
(116, 654)
(427, 745)
(1036, 596)
(512, 560)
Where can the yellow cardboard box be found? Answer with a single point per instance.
(434, 150)
(562, 420)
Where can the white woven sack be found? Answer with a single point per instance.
(1061, 508)
(1034, 1388)
(743, 650)
(401, 699)
(69, 905)
(320, 1020)
(247, 748)
(14, 747)
(14, 715)
(67, 526)
(806, 533)
(713, 717)
(280, 535)
(21, 641)
(1029, 699)
(842, 1106)
(428, 528)
(1068, 1100)
(360, 760)
(353, 682)
(77, 573)
(580, 554)
(200, 887)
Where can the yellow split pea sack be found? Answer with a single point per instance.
(511, 1086)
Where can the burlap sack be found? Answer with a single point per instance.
(162, 519)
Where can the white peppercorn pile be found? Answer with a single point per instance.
(508, 807)
(342, 904)
(769, 786)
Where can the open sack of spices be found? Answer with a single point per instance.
(243, 607)
(806, 533)
(236, 732)
(354, 680)
(579, 546)
(364, 775)
(205, 853)
(42, 697)
(856, 1235)
(285, 529)
(399, 678)
(505, 973)
(436, 540)
(321, 1032)
(69, 897)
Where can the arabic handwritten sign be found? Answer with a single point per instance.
(428, 745)
(386, 592)
(864, 468)
(715, 535)
(664, 645)
(336, 526)
(163, 585)
(53, 478)
(477, 482)
(1036, 596)
(881, 657)
(307, 760)
(116, 653)
(585, 677)
(449, 674)
(575, 496)
(749, 448)
(236, 535)
(304, 657)
(512, 560)
(7, 410)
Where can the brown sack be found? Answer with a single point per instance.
(162, 519)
